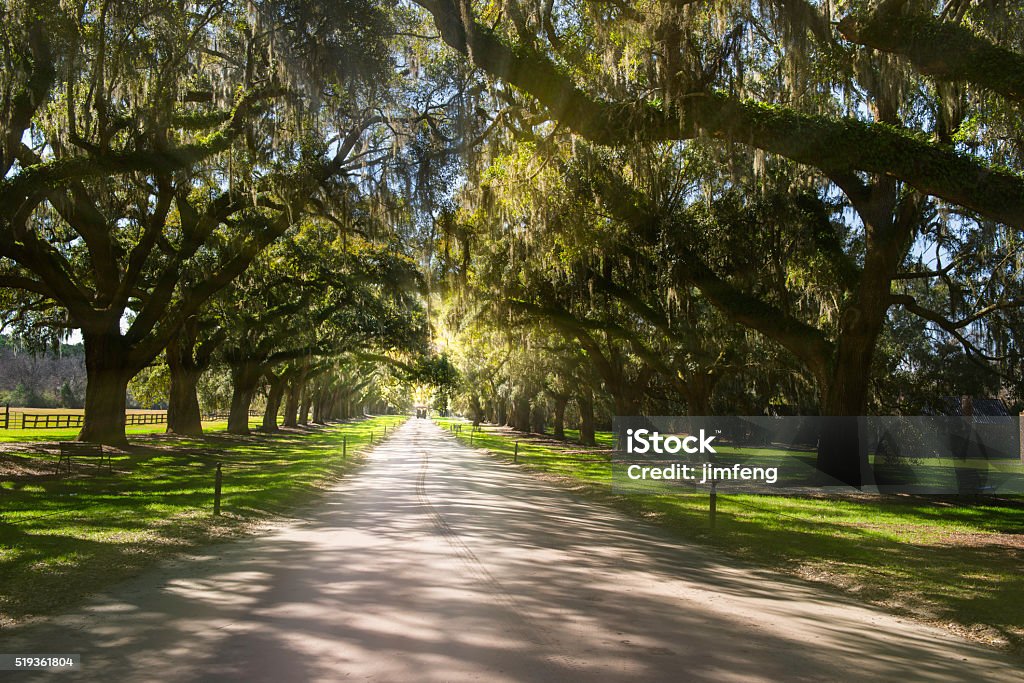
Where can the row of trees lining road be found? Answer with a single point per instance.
(678, 176)
(617, 207)
(152, 151)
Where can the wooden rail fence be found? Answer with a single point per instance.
(16, 419)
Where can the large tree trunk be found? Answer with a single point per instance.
(318, 406)
(274, 398)
(108, 373)
(538, 418)
(558, 420)
(292, 400)
(627, 400)
(521, 414)
(335, 405)
(245, 381)
(476, 412)
(841, 452)
(698, 390)
(585, 401)
(305, 403)
(183, 415)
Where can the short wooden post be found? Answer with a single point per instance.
(7, 415)
(515, 456)
(713, 505)
(344, 446)
(216, 491)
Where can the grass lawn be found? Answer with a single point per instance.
(954, 563)
(64, 537)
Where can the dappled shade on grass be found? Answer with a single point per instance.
(62, 537)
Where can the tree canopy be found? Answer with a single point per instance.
(550, 212)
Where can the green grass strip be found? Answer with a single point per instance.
(62, 537)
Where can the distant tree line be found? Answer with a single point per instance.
(29, 379)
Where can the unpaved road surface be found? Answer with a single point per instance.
(434, 563)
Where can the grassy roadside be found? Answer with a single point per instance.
(62, 538)
(960, 566)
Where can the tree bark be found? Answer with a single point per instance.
(538, 418)
(108, 373)
(274, 397)
(585, 401)
(292, 400)
(305, 403)
(627, 399)
(944, 50)
(318, 406)
(558, 420)
(698, 390)
(521, 414)
(245, 381)
(183, 415)
(337, 404)
(475, 410)
(841, 454)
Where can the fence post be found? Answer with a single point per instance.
(7, 414)
(216, 491)
(515, 456)
(344, 446)
(712, 505)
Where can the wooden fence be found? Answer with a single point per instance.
(214, 417)
(23, 420)
(17, 419)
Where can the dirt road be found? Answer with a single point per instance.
(433, 563)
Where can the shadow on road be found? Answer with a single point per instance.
(433, 563)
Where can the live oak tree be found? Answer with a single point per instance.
(151, 150)
(787, 79)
